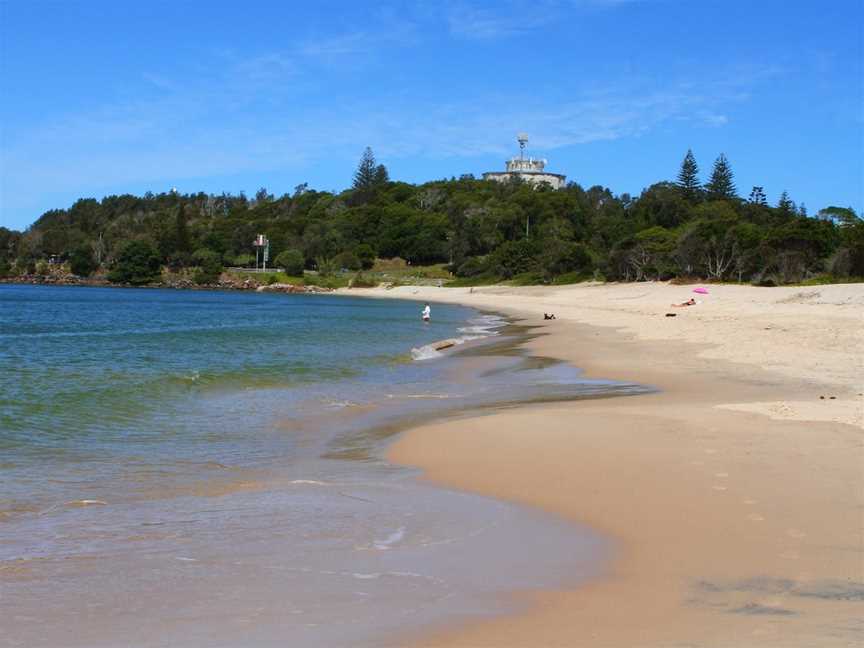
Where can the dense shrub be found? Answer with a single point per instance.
(82, 262)
(347, 261)
(487, 231)
(514, 258)
(366, 255)
(137, 264)
(292, 262)
(471, 267)
(244, 260)
(360, 280)
(564, 258)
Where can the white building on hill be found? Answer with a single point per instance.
(527, 169)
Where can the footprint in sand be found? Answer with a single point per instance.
(755, 517)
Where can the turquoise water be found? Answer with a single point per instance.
(213, 461)
(105, 379)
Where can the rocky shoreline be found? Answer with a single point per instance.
(226, 282)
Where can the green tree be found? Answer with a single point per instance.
(292, 262)
(366, 255)
(721, 185)
(382, 177)
(515, 257)
(347, 261)
(138, 263)
(688, 178)
(209, 265)
(244, 260)
(82, 262)
(661, 204)
(364, 176)
(707, 247)
(757, 197)
(652, 253)
(849, 260)
(566, 257)
(786, 206)
(800, 246)
(182, 241)
(369, 178)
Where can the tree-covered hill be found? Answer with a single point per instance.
(482, 229)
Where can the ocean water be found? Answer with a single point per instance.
(206, 468)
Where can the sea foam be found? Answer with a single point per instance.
(478, 328)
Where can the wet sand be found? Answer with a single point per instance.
(734, 496)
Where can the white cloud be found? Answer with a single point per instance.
(259, 113)
(715, 120)
(512, 17)
(340, 45)
(483, 24)
(266, 68)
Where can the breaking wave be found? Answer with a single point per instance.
(479, 327)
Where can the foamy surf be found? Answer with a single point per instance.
(421, 396)
(478, 328)
(425, 352)
(390, 540)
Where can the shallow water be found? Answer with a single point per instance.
(200, 468)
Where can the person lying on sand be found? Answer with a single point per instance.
(689, 302)
(548, 316)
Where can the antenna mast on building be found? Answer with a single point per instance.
(522, 138)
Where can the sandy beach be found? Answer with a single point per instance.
(734, 496)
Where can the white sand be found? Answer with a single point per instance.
(735, 495)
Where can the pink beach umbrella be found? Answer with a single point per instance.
(701, 290)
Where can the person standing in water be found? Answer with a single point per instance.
(427, 313)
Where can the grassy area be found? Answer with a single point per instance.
(398, 273)
(824, 279)
(479, 280)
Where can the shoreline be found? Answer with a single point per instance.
(225, 284)
(372, 507)
(734, 494)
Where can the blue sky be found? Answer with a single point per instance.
(114, 97)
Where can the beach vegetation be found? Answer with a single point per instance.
(208, 264)
(366, 255)
(325, 267)
(688, 178)
(721, 185)
(347, 261)
(291, 261)
(361, 280)
(137, 263)
(459, 231)
(82, 262)
(243, 260)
